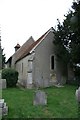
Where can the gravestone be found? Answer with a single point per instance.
(3, 108)
(2, 83)
(1, 103)
(78, 100)
(0, 74)
(78, 94)
(40, 98)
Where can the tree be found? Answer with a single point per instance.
(2, 57)
(67, 36)
(75, 26)
(3, 60)
(67, 40)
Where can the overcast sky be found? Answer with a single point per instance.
(20, 19)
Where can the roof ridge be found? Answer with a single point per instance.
(43, 36)
(34, 44)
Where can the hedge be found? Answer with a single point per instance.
(11, 76)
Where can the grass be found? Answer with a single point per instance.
(61, 103)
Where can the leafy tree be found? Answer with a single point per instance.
(3, 60)
(75, 26)
(67, 36)
(11, 76)
(67, 40)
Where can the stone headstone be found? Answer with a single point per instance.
(40, 98)
(3, 108)
(0, 75)
(78, 94)
(2, 83)
(1, 103)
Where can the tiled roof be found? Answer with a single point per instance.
(27, 51)
(23, 49)
(29, 45)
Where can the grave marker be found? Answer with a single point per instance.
(3, 108)
(40, 98)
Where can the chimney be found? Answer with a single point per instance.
(17, 47)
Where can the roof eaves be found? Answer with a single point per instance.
(21, 58)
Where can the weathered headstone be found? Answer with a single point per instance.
(2, 83)
(3, 108)
(40, 98)
(78, 94)
(0, 74)
(78, 100)
(1, 103)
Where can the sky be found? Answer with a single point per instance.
(20, 19)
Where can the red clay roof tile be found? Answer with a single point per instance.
(31, 47)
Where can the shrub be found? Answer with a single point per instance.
(11, 76)
(73, 82)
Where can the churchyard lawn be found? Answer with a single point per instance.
(61, 103)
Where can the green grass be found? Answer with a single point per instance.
(61, 103)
